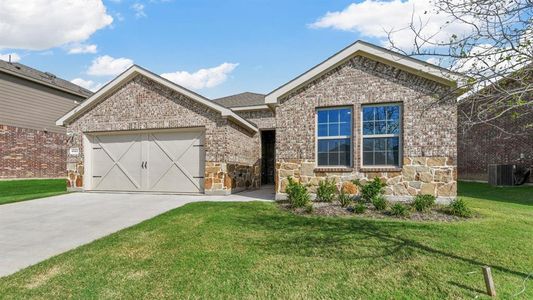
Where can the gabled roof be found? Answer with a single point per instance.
(242, 99)
(374, 52)
(44, 78)
(135, 70)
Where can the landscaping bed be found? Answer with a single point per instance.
(437, 213)
(368, 200)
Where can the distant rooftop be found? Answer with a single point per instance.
(242, 99)
(45, 78)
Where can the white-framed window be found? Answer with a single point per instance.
(381, 130)
(334, 137)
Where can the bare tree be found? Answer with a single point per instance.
(494, 51)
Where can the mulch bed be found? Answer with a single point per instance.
(334, 209)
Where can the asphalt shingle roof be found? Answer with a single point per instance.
(242, 99)
(44, 77)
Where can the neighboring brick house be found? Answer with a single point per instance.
(362, 113)
(507, 139)
(31, 144)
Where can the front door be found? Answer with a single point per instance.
(268, 156)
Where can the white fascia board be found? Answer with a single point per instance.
(133, 71)
(101, 92)
(250, 108)
(373, 51)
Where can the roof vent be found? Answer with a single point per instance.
(50, 75)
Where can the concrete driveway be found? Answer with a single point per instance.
(35, 230)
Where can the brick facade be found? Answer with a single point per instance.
(144, 104)
(429, 131)
(264, 119)
(29, 153)
(233, 154)
(506, 140)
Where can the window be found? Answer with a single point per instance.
(334, 137)
(381, 135)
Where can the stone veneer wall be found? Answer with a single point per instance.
(29, 153)
(429, 130)
(419, 175)
(144, 104)
(227, 178)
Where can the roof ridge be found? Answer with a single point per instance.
(43, 77)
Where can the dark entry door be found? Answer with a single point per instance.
(268, 154)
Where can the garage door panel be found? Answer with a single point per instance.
(161, 161)
(174, 161)
(117, 180)
(175, 180)
(116, 162)
(159, 164)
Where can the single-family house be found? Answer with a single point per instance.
(364, 112)
(31, 144)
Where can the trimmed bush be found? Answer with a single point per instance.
(424, 202)
(345, 199)
(326, 191)
(349, 188)
(459, 208)
(359, 208)
(372, 189)
(297, 193)
(399, 210)
(379, 202)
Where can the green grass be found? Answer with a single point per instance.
(21, 190)
(254, 250)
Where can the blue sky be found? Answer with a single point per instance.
(263, 43)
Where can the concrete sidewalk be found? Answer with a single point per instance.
(35, 230)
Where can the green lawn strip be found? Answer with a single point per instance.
(20, 190)
(255, 250)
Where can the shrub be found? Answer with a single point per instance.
(309, 207)
(372, 189)
(345, 199)
(359, 208)
(399, 210)
(326, 191)
(459, 208)
(297, 193)
(379, 202)
(349, 188)
(423, 202)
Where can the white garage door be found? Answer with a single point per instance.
(148, 161)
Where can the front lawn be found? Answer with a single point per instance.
(256, 250)
(20, 190)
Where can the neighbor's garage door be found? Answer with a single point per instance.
(153, 161)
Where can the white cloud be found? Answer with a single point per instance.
(88, 84)
(433, 61)
(43, 24)
(139, 10)
(374, 19)
(203, 78)
(14, 57)
(109, 66)
(82, 48)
